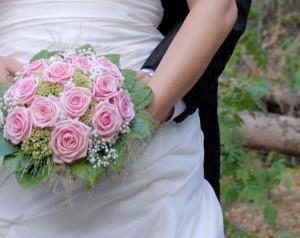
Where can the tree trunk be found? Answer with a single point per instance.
(272, 132)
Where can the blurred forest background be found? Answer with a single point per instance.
(259, 112)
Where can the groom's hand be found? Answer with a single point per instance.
(8, 68)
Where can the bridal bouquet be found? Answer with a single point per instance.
(71, 113)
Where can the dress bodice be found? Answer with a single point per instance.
(128, 27)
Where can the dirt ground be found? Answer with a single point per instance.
(287, 203)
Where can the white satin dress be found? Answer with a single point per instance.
(164, 193)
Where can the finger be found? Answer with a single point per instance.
(13, 66)
(143, 77)
(5, 76)
(140, 75)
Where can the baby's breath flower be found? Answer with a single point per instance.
(100, 153)
(5, 108)
(125, 129)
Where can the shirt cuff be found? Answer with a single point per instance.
(180, 105)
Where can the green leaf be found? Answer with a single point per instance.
(30, 180)
(283, 234)
(16, 163)
(270, 216)
(295, 81)
(252, 42)
(119, 165)
(141, 95)
(86, 47)
(44, 54)
(3, 88)
(40, 55)
(6, 147)
(10, 164)
(114, 58)
(87, 173)
(130, 79)
(143, 126)
(243, 175)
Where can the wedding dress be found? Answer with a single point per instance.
(164, 193)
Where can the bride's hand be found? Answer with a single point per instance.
(8, 67)
(160, 118)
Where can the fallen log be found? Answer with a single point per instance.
(289, 103)
(272, 132)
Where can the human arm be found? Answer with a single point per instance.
(198, 39)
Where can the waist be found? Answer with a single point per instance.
(127, 12)
(135, 43)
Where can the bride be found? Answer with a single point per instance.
(164, 194)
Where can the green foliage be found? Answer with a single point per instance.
(119, 165)
(143, 126)
(141, 95)
(233, 231)
(6, 147)
(284, 234)
(44, 54)
(295, 81)
(87, 173)
(114, 58)
(16, 163)
(29, 173)
(268, 53)
(270, 215)
(245, 178)
(252, 43)
(35, 176)
(3, 88)
(130, 78)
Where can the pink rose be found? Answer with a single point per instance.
(35, 66)
(110, 67)
(82, 62)
(75, 101)
(69, 141)
(18, 125)
(44, 111)
(106, 120)
(105, 86)
(125, 106)
(22, 92)
(59, 72)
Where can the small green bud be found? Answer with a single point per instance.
(37, 146)
(46, 89)
(82, 80)
(87, 117)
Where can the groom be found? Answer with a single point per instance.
(204, 94)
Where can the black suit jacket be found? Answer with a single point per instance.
(204, 95)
